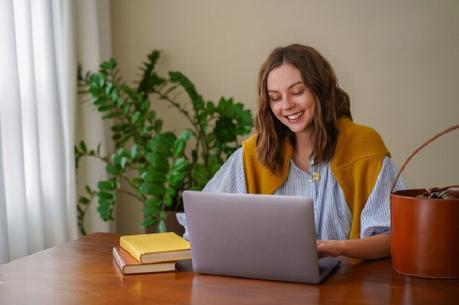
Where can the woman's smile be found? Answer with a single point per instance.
(292, 118)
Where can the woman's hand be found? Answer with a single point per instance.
(330, 247)
(376, 246)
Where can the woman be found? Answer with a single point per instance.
(307, 145)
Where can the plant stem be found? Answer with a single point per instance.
(201, 137)
(131, 194)
(175, 104)
(140, 198)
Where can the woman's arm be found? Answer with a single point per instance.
(375, 218)
(376, 246)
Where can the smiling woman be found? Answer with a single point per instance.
(307, 145)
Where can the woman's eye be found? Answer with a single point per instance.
(298, 92)
(274, 98)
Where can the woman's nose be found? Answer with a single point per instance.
(287, 103)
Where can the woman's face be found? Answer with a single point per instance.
(290, 100)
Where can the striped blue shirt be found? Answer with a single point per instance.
(332, 213)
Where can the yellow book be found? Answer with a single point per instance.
(156, 247)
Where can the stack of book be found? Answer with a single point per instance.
(146, 253)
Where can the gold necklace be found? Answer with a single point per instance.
(315, 175)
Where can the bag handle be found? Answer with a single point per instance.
(419, 149)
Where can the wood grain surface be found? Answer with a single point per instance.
(84, 272)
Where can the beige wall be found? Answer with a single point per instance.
(398, 60)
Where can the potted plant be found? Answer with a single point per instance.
(152, 165)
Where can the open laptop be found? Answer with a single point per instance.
(255, 236)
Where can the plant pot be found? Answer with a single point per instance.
(425, 230)
(425, 235)
(172, 225)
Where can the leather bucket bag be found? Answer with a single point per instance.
(425, 228)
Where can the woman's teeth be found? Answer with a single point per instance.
(294, 116)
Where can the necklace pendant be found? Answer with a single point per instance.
(315, 176)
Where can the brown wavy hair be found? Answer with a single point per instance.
(332, 103)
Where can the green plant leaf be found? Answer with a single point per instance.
(150, 210)
(153, 202)
(106, 185)
(168, 201)
(152, 189)
(188, 86)
(180, 143)
(213, 164)
(154, 176)
(123, 162)
(136, 117)
(95, 81)
(225, 130)
(149, 222)
(200, 175)
(109, 64)
(84, 200)
(145, 106)
(111, 115)
(105, 209)
(179, 165)
(150, 79)
(162, 144)
(158, 163)
(158, 125)
(176, 181)
(169, 197)
(83, 146)
(104, 108)
(210, 107)
(105, 195)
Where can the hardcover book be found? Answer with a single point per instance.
(129, 265)
(156, 247)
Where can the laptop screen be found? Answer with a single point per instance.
(256, 236)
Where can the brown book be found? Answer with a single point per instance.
(129, 265)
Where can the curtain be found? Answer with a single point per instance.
(37, 111)
(94, 46)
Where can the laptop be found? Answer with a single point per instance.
(267, 237)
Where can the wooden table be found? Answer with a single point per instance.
(83, 272)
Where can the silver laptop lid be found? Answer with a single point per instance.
(256, 236)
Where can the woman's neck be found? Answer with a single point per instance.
(303, 149)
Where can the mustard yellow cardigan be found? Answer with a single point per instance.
(356, 164)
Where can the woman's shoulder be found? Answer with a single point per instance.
(351, 131)
(356, 142)
(250, 143)
(230, 177)
(234, 159)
